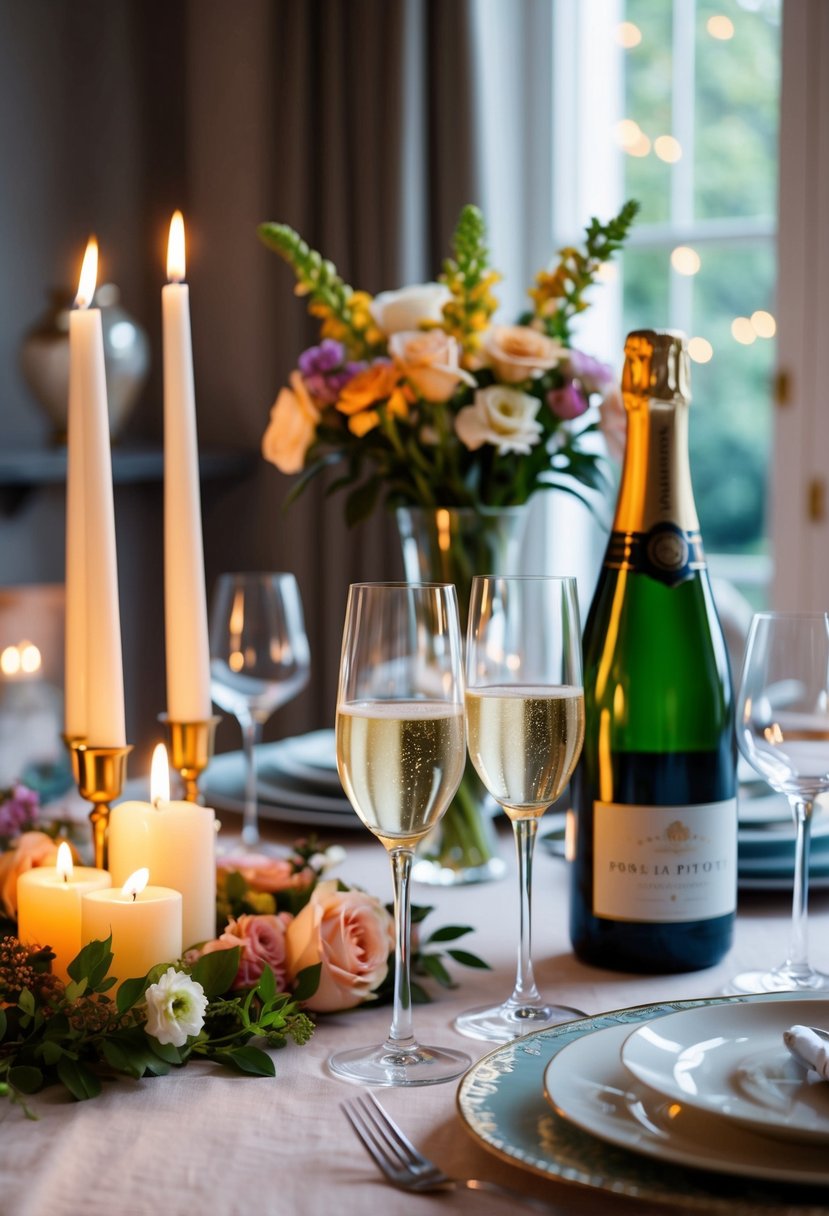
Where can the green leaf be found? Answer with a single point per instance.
(217, 971)
(75, 988)
(249, 1060)
(468, 960)
(235, 886)
(26, 1002)
(79, 1080)
(50, 1052)
(361, 501)
(307, 982)
(3, 1023)
(92, 963)
(165, 1051)
(419, 994)
(434, 967)
(26, 1078)
(266, 987)
(122, 1058)
(129, 993)
(419, 912)
(449, 933)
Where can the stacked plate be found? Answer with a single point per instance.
(297, 782)
(695, 1103)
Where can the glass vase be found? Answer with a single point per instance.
(450, 545)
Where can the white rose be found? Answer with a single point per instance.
(409, 307)
(504, 417)
(519, 352)
(175, 1008)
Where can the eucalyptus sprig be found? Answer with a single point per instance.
(77, 1034)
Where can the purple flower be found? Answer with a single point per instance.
(19, 810)
(567, 402)
(593, 376)
(325, 371)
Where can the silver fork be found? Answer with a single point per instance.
(405, 1167)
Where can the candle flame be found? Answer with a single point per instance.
(64, 862)
(159, 776)
(175, 249)
(89, 275)
(136, 882)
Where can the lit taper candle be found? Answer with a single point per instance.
(185, 605)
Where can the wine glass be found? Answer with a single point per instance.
(400, 755)
(783, 732)
(259, 660)
(525, 729)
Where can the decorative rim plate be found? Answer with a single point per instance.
(732, 1063)
(587, 1084)
(223, 786)
(501, 1102)
(308, 758)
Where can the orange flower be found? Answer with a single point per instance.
(368, 388)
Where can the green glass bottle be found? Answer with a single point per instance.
(654, 877)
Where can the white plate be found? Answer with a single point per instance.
(587, 1085)
(731, 1062)
(308, 758)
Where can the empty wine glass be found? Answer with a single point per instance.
(525, 729)
(783, 732)
(259, 660)
(400, 754)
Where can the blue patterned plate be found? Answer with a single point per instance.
(501, 1101)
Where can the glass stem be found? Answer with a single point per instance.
(401, 1034)
(798, 960)
(525, 991)
(251, 735)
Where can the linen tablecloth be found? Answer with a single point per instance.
(205, 1141)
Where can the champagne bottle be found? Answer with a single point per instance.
(654, 877)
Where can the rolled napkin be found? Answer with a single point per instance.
(808, 1047)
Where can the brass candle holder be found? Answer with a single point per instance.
(99, 773)
(191, 748)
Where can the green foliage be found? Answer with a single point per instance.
(427, 963)
(75, 1035)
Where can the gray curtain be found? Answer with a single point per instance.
(352, 120)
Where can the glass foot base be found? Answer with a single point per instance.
(235, 848)
(433, 873)
(386, 1065)
(782, 979)
(502, 1023)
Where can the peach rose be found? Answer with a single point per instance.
(519, 352)
(430, 362)
(410, 307)
(270, 874)
(351, 934)
(292, 427)
(262, 940)
(33, 849)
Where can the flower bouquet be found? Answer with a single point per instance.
(421, 401)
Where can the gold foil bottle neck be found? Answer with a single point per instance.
(657, 366)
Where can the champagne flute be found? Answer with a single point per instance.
(400, 754)
(525, 729)
(259, 660)
(783, 732)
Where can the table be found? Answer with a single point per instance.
(206, 1142)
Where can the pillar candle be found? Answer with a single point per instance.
(176, 842)
(92, 592)
(185, 604)
(49, 909)
(145, 927)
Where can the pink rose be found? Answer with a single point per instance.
(33, 849)
(519, 352)
(292, 427)
(263, 873)
(261, 939)
(430, 362)
(351, 934)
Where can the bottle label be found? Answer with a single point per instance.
(665, 552)
(664, 863)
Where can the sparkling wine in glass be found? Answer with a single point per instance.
(783, 732)
(525, 729)
(400, 755)
(259, 660)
